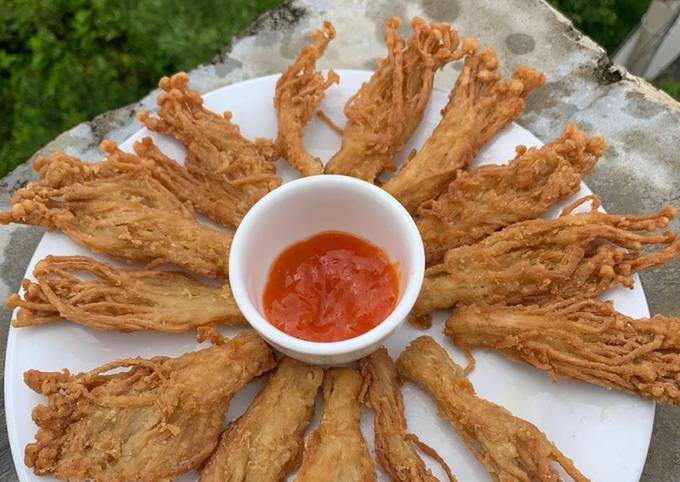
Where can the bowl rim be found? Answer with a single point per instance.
(375, 335)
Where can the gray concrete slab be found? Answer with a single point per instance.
(640, 172)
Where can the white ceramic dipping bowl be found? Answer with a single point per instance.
(301, 209)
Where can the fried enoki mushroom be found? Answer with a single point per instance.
(298, 93)
(394, 448)
(216, 150)
(510, 448)
(537, 261)
(493, 197)
(83, 290)
(205, 196)
(480, 105)
(265, 443)
(121, 210)
(337, 449)
(582, 339)
(155, 421)
(386, 110)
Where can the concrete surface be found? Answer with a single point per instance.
(640, 172)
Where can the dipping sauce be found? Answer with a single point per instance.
(330, 287)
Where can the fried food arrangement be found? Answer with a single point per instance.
(120, 210)
(386, 110)
(510, 448)
(493, 197)
(298, 93)
(538, 261)
(337, 449)
(582, 339)
(480, 105)
(160, 418)
(83, 290)
(520, 285)
(395, 449)
(205, 196)
(265, 443)
(216, 150)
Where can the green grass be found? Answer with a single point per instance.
(65, 61)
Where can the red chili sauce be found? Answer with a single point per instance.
(330, 287)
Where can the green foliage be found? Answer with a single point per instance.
(669, 84)
(65, 61)
(605, 21)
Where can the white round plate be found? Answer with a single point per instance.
(606, 433)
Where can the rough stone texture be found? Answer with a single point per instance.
(639, 173)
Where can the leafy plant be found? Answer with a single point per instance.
(65, 61)
(669, 84)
